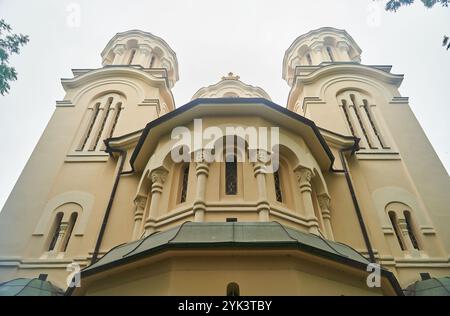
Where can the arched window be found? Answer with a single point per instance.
(308, 58)
(184, 183)
(132, 54)
(358, 116)
(410, 228)
(347, 117)
(55, 231)
(330, 53)
(102, 119)
(233, 289)
(393, 218)
(96, 110)
(68, 234)
(103, 122)
(359, 113)
(116, 118)
(277, 183)
(152, 61)
(372, 122)
(231, 175)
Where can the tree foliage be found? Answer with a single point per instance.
(394, 5)
(10, 43)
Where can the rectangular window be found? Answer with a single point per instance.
(231, 177)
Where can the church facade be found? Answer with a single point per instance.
(145, 198)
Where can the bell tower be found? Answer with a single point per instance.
(132, 88)
(138, 48)
(330, 86)
(324, 45)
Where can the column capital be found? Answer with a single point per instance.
(158, 176)
(119, 49)
(324, 201)
(63, 228)
(342, 45)
(403, 225)
(317, 46)
(202, 156)
(304, 175)
(261, 158)
(140, 201)
(145, 49)
(201, 162)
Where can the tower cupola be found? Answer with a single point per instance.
(324, 45)
(143, 49)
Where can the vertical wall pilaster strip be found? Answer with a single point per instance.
(367, 125)
(103, 119)
(356, 125)
(110, 123)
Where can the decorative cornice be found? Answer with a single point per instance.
(349, 69)
(110, 71)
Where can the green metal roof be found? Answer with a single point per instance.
(230, 235)
(29, 287)
(430, 287)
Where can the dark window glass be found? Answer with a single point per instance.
(231, 176)
(330, 54)
(278, 193)
(184, 184)
(57, 227)
(410, 230)
(72, 221)
(393, 219)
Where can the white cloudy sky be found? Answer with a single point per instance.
(212, 38)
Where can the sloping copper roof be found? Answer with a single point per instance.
(235, 234)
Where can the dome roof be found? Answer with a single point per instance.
(429, 287)
(231, 87)
(29, 287)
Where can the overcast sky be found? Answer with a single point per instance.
(210, 39)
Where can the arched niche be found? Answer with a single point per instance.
(382, 197)
(83, 199)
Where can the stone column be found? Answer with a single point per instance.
(61, 234)
(304, 176)
(324, 203)
(343, 49)
(158, 177)
(118, 54)
(403, 226)
(259, 171)
(373, 139)
(144, 57)
(109, 122)
(140, 201)
(91, 142)
(357, 128)
(318, 56)
(202, 172)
